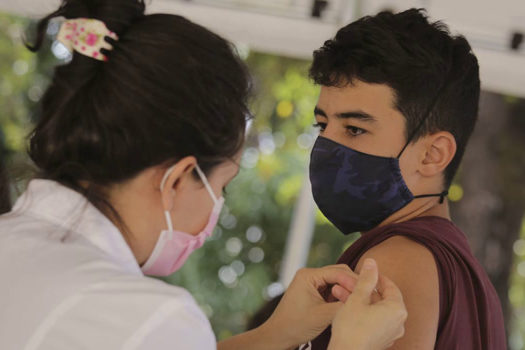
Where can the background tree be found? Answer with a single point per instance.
(493, 180)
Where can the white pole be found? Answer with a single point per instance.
(300, 235)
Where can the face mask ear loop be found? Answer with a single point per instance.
(206, 183)
(162, 183)
(441, 196)
(168, 220)
(422, 122)
(416, 130)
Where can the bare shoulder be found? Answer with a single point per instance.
(413, 269)
(401, 253)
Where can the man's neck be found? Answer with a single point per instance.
(417, 208)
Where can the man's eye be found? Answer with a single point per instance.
(355, 131)
(321, 126)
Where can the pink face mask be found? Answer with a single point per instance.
(174, 247)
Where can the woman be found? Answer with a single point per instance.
(138, 136)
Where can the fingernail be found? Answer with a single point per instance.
(369, 264)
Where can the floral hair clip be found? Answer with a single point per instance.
(86, 36)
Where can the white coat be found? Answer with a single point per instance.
(68, 280)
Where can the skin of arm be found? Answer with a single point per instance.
(412, 267)
(362, 324)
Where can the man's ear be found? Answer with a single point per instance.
(440, 149)
(178, 177)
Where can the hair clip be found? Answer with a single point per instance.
(86, 36)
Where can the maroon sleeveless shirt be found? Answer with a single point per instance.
(470, 315)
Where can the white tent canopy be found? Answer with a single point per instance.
(286, 27)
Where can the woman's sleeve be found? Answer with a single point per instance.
(176, 324)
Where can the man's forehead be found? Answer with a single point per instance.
(367, 97)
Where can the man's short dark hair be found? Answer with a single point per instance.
(420, 60)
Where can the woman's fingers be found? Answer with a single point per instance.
(373, 319)
(305, 307)
(340, 293)
(389, 290)
(367, 281)
(392, 296)
(329, 275)
(327, 311)
(369, 287)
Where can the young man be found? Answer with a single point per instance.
(398, 102)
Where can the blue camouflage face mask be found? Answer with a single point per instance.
(356, 191)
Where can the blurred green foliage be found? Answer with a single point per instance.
(17, 84)
(517, 294)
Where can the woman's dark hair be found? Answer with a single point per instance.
(420, 61)
(169, 89)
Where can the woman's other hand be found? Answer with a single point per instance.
(303, 312)
(368, 322)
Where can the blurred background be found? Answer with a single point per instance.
(271, 226)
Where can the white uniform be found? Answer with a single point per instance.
(68, 280)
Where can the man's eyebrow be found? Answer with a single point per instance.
(363, 116)
(319, 111)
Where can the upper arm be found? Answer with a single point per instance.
(412, 267)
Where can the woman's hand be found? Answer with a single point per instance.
(365, 324)
(303, 313)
